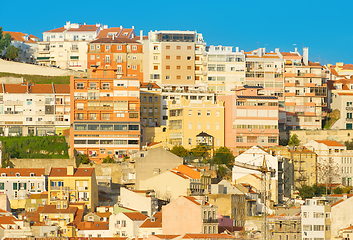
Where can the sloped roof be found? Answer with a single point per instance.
(78, 172)
(23, 171)
(157, 223)
(135, 216)
(115, 40)
(331, 143)
(53, 209)
(62, 88)
(84, 28)
(93, 226)
(189, 171)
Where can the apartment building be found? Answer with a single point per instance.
(126, 224)
(265, 69)
(105, 115)
(18, 183)
(73, 185)
(333, 153)
(339, 70)
(187, 120)
(316, 219)
(195, 215)
(285, 227)
(305, 91)
(225, 69)
(124, 55)
(170, 57)
(150, 104)
(27, 43)
(38, 109)
(143, 201)
(231, 202)
(66, 47)
(250, 119)
(339, 97)
(304, 164)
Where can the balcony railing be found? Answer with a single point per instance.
(14, 103)
(59, 188)
(210, 220)
(14, 112)
(349, 119)
(349, 108)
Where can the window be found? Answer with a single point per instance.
(134, 67)
(107, 47)
(167, 77)
(217, 126)
(119, 47)
(188, 58)
(178, 47)
(189, 141)
(198, 125)
(106, 116)
(188, 47)
(272, 139)
(178, 57)
(167, 67)
(178, 77)
(92, 47)
(155, 47)
(190, 125)
(208, 113)
(198, 112)
(134, 48)
(188, 77)
(167, 47)
(178, 67)
(155, 67)
(93, 116)
(79, 86)
(2, 186)
(167, 57)
(188, 67)
(190, 112)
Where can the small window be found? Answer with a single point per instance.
(18, 175)
(32, 174)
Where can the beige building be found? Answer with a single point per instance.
(231, 201)
(187, 120)
(304, 164)
(172, 184)
(154, 162)
(284, 227)
(170, 57)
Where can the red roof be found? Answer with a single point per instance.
(157, 223)
(23, 171)
(330, 143)
(135, 216)
(78, 172)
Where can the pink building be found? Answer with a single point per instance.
(189, 215)
(251, 119)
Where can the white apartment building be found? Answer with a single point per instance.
(316, 219)
(126, 224)
(18, 183)
(225, 69)
(66, 47)
(38, 109)
(143, 201)
(327, 150)
(28, 45)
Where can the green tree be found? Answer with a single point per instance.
(199, 151)
(108, 159)
(4, 40)
(338, 190)
(223, 155)
(12, 52)
(294, 140)
(179, 151)
(349, 144)
(306, 192)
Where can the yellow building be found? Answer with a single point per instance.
(73, 185)
(187, 120)
(150, 103)
(304, 164)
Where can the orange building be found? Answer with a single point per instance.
(105, 115)
(123, 55)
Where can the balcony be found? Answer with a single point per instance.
(349, 108)
(74, 49)
(210, 220)
(13, 103)
(59, 188)
(43, 58)
(349, 119)
(14, 112)
(74, 57)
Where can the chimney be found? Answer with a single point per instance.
(133, 27)
(141, 35)
(296, 50)
(237, 49)
(305, 55)
(70, 170)
(276, 50)
(121, 27)
(345, 196)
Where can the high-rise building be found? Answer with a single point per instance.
(105, 115)
(170, 58)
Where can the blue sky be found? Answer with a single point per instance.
(323, 26)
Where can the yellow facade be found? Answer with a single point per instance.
(78, 186)
(187, 120)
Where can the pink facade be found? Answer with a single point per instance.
(189, 215)
(251, 119)
(224, 221)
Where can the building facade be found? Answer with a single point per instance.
(105, 116)
(38, 109)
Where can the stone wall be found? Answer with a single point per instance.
(306, 136)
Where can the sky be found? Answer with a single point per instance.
(323, 26)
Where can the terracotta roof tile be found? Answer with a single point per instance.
(15, 88)
(60, 29)
(23, 171)
(84, 28)
(330, 143)
(78, 172)
(157, 223)
(93, 226)
(189, 171)
(41, 88)
(336, 203)
(62, 88)
(145, 85)
(115, 40)
(135, 216)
